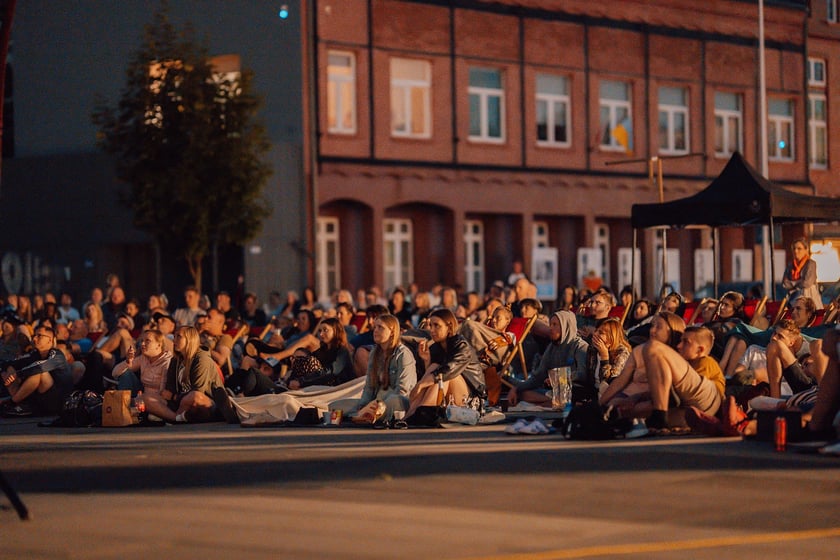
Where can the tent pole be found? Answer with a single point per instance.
(664, 231)
(772, 294)
(633, 263)
(715, 271)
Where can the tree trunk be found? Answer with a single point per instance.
(194, 262)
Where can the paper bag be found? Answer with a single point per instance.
(116, 409)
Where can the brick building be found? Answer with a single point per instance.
(455, 137)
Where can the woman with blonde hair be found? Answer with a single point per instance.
(391, 372)
(608, 351)
(190, 381)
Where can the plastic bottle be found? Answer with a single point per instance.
(140, 403)
(440, 391)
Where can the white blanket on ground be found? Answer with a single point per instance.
(273, 409)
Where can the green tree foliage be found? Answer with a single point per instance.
(187, 142)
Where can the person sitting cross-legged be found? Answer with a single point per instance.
(190, 381)
(566, 349)
(40, 380)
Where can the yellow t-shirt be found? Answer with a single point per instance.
(710, 369)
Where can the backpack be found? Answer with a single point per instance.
(586, 422)
(80, 409)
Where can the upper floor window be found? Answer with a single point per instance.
(552, 110)
(411, 82)
(729, 118)
(817, 131)
(673, 120)
(616, 124)
(780, 130)
(341, 92)
(816, 72)
(831, 11)
(487, 107)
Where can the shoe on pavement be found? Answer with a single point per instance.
(15, 410)
(516, 426)
(832, 449)
(224, 406)
(535, 428)
(638, 430)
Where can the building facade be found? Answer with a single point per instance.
(434, 141)
(454, 138)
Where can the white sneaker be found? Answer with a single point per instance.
(833, 449)
(516, 426)
(638, 430)
(535, 428)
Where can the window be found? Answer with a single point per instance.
(539, 235)
(780, 130)
(341, 93)
(411, 83)
(817, 131)
(816, 72)
(616, 125)
(673, 120)
(328, 278)
(474, 255)
(552, 110)
(728, 124)
(397, 241)
(831, 11)
(487, 107)
(602, 242)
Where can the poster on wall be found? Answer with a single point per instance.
(625, 261)
(704, 268)
(544, 272)
(672, 272)
(742, 265)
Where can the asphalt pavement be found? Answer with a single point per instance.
(223, 491)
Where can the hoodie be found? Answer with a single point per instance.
(568, 350)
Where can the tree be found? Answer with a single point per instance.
(187, 142)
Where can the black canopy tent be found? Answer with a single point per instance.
(739, 196)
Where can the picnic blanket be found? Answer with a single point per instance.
(275, 409)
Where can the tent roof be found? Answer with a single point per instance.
(739, 196)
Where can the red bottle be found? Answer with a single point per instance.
(781, 433)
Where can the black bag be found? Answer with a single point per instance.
(425, 417)
(81, 409)
(586, 422)
(307, 416)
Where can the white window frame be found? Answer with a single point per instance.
(601, 236)
(328, 269)
(608, 143)
(404, 88)
(337, 102)
(539, 235)
(474, 255)
(725, 118)
(397, 253)
(671, 112)
(484, 94)
(831, 11)
(817, 129)
(816, 78)
(776, 125)
(551, 101)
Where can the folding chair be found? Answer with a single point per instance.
(493, 377)
(754, 309)
(692, 311)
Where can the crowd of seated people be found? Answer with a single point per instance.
(637, 357)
